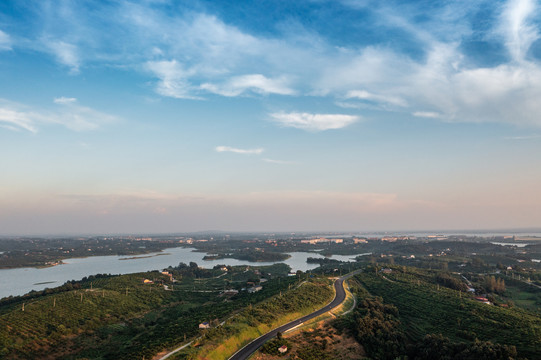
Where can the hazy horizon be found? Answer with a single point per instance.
(165, 116)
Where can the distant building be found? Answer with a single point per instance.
(483, 300)
(230, 292)
(254, 289)
(204, 325)
(147, 281)
(321, 240)
(386, 271)
(167, 273)
(282, 349)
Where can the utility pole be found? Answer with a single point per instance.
(23, 306)
(54, 302)
(81, 297)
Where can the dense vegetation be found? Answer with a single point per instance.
(249, 255)
(222, 341)
(407, 312)
(416, 299)
(120, 317)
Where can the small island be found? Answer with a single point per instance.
(249, 255)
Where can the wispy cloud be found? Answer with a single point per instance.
(16, 120)
(67, 112)
(368, 96)
(65, 53)
(5, 41)
(256, 83)
(256, 151)
(281, 162)
(193, 53)
(524, 137)
(78, 117)
(314, 122)
(427, 114)
(173, 79)
(517, 27)
(64, 100)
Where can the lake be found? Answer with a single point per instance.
(22, 280)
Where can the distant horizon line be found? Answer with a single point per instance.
(352, 232)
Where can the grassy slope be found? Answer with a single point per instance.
(223, 341)
(426, 308)
(110, 323)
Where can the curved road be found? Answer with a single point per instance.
(339, 298)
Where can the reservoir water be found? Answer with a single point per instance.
(22, 280)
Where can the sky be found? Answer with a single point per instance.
(165, 116)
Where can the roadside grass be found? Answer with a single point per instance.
(347, 305)
(223, 341)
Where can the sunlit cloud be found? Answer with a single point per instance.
(314, 122)
(256, 151)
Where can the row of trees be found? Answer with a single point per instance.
(494, 285)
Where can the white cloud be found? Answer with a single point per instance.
(5, 41)
(68, 113)
(314, 122)
(64, 100)
(254, 82)
(427, 114)
(281, 162)
(365, 95)
(256, 151)
(192, 53)
(517, 27)
(173, 79)
(65, 53)
(16, 120)
(77, 117)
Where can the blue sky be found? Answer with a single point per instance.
(165, 116)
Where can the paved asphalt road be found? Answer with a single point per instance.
(340, 296)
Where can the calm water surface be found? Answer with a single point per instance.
(20, 281)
